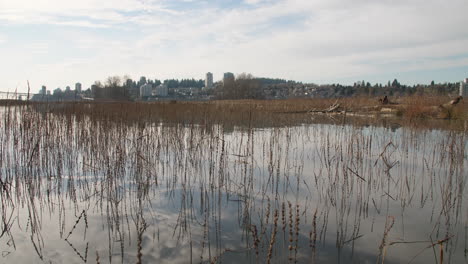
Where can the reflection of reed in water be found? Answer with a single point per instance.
(222, 188)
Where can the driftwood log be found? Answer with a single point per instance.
(456, 100)
(452, 103)
(446, 110)
(332, 108)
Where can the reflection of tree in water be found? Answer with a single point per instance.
(180, 193)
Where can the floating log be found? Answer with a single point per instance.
(332, 108)
(456, 100)
(452, 103)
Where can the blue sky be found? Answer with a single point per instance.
(58, 42)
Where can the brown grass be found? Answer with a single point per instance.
(415, 111)
(417, 107)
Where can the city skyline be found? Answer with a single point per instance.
(54, 43)
(209, 82)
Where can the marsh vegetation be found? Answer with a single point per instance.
(227, 183)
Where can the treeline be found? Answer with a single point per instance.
(171, 83)
(184, 83)
(246, 86)
(124, 88)
(272, 81)
(112, 89)
(394, 88)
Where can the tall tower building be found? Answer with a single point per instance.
(161, 90)
(78, 87)
(142, 81)
(228, 76)
(464, 88)
(209, 80)
(146, 90)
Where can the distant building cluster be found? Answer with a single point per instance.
(161, 90)
(60, 95)
(145, 89)
(189, 89)
(150, 90)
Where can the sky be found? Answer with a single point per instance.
(59, 42)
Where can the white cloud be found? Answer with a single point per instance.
(57, 6)
(306, 40)
(105, 12)
(256, 2)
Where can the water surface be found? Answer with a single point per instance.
(87, 189)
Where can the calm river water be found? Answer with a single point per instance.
(93, 190)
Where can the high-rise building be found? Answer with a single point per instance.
(43, 90)
(67, 89)
(129, 83)
(464, 88)
(209, 80)
(228, 76)
(78, 87)
(57, 91)
(161, 90)
(146, 90)
(142, 81)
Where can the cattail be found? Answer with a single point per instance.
(313, 234)
(256, 241)
(273, 236)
